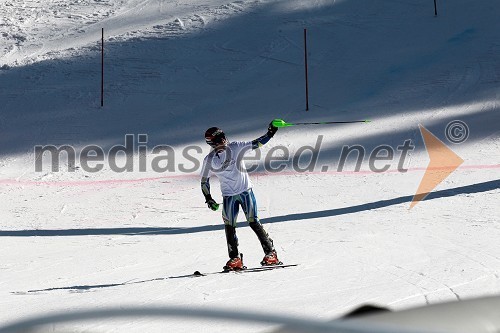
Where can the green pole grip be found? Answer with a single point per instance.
(281, 123)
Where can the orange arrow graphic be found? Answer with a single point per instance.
(443, 161)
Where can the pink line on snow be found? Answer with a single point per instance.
(91, 182)
(196, 176)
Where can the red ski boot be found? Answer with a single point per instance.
(271, 259)
(234, 264)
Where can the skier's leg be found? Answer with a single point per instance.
(232, 241)
(249, 205)
(265, 241)
(229, 214)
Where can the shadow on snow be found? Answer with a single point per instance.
(360, 67)
(469, 189)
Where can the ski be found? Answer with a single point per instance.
(265, 268)
(245, 270)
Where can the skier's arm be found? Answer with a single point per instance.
(205, 184)
(259, 142)
(205, 188)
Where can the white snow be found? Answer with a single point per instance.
(74, 240)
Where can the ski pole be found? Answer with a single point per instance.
(215, 206)
(281, 123)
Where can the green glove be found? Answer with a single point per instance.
(211, 203)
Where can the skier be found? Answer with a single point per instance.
(225, 162)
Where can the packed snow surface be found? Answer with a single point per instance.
(74, 239)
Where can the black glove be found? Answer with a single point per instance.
(271, 130)
(211, 203)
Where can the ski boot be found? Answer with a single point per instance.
(271, 259)
(234, 264)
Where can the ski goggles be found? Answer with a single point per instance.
(216, 139)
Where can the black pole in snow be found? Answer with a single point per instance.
(102, 68)
(305, 62)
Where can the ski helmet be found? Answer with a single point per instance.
(214, 136)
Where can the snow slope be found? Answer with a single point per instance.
(74, 239)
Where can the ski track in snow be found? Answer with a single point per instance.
(27, 24)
